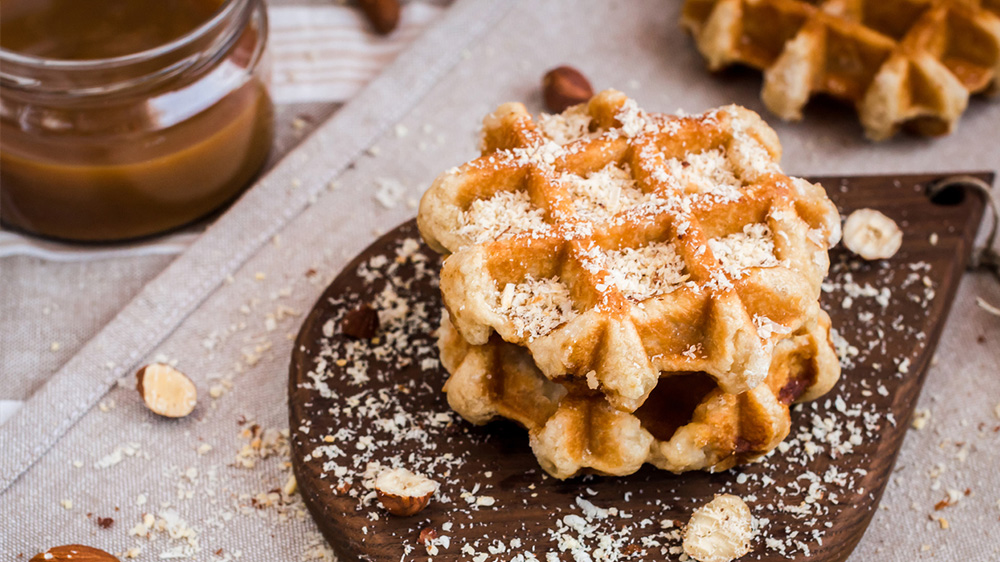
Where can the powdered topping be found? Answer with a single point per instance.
(536, 306)
(507, 213)
(646, 272)
(603, 193)
(752, 248)
(705, 172)
(632, 118)
(562, 128)
(749, 158)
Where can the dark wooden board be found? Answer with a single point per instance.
(383, 403)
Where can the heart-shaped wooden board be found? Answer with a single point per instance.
(358, 405)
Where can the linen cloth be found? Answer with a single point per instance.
(227, 309)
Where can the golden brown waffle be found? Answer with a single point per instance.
(615, 244)
(687, 423)
(900, 62)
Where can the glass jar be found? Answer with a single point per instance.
(123, 147)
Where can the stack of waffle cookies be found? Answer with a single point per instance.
(632, 287)
(902, 63)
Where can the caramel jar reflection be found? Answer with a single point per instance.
(121, 119)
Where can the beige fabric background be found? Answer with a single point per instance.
(208, 311)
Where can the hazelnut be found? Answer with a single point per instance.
(360, 323)
(73, 553)
(872, 235)
(166, 391)
(404, 493)
(427, 534)
(563, 87)
(382, 14)
(719, 531)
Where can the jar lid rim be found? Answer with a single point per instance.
(220, 16)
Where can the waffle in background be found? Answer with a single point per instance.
(902, 63)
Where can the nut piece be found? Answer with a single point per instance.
(74, 553)
(872, 235)
(383, 14)
(565, 86)
(427, 534)
(361, 323)
(720, 530)
(166, 391)
(404, 493)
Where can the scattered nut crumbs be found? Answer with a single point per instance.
(920, 418)
(388, 192)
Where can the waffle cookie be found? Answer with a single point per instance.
(910, 63)
(615, 245)
(686, 423)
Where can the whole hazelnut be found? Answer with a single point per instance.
(73, 553)
(565, 86)
(383, 14)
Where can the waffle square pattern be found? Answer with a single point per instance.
(687, 422)
(616, 246)
(911, 63)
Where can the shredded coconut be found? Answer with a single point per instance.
(536, 306)
(646, 272)
(632, 118)
(507, 213)
(754, 247)
(706, 172)
(603, 193)
(566, 127)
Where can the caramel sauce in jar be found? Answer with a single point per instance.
(126, 118)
